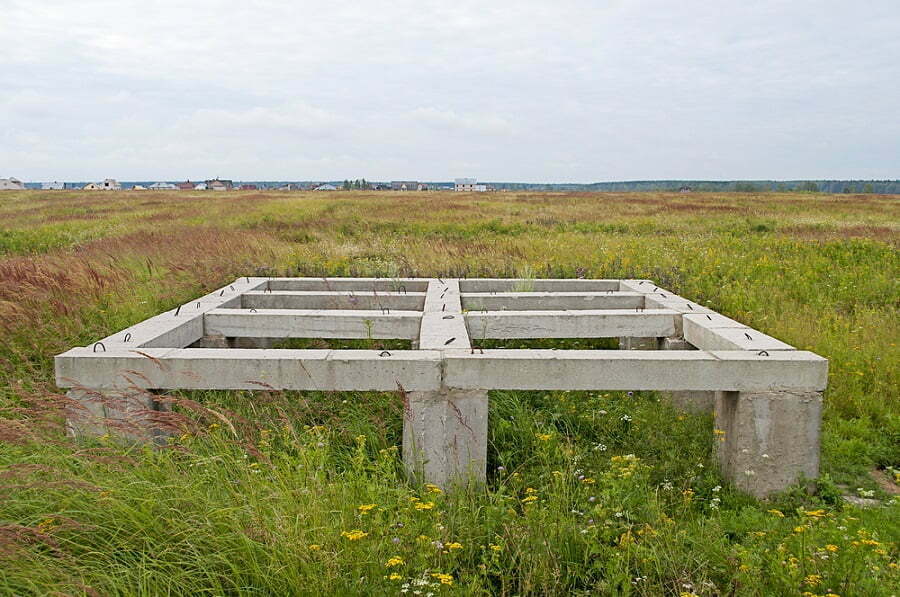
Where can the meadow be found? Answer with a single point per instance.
(281, 493)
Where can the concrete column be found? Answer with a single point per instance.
(626, 343)
(691, 401)
(445, 436)
(129, 414)
(765, 441)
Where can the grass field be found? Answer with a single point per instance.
(280, 493)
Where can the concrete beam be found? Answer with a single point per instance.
(328, 323)
(287, 299)
(250, 369)
(183, 325)
(721, 333)
(602, 323)
(635, 370)
(357, 284)
(553, 301)
(539, 285)
(443, 326)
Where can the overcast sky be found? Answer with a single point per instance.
(553, 91)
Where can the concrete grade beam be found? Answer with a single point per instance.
(443, 326)
(251, 369)
(635, 370)
(537, 285)
(721, 333)
(289, 299)
(357, 284)
(315, 323)
(587, 323)
(553, 301)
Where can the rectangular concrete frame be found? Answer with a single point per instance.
(766, 395)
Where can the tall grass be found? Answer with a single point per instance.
(588, 492)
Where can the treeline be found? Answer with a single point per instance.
(741, 186)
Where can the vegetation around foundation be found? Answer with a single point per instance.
(277, 493)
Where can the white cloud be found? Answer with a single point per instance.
(528, 90)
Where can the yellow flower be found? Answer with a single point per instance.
(496, 547)
(445, 579)
(354, 535)
(530, 490)
(394, 561)
(433, 488)
(454, 545)
(777, 513)
(812, 580)
(424, 505)
(366, 508)
(815, 513)
(588, 480)
(395, 576)
(831, 547)
(529, 499)
(543, 436)
(315, 547)
(557, 473)
(799, 529)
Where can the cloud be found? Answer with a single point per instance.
(574, 90)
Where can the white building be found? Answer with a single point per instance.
(326, 187)
(468, 185)
(53, 186)
(201, 186)
(91, 186)
(110, 184)
(138, 187)
(11, 184)
(162, 186)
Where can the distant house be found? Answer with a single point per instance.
(219, 185)
(685, 190)
(138, 187)
(11, 184)
(469, 185)
(163, 186)
(406, 185)
(53, 186)
(325, 187)
(201, 186)
(185, 186)
(249, 187)
(290, 186)
(110, 184)
(92, 186)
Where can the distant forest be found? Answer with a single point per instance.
(741, 186)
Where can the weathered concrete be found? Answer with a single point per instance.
(765, 391)
(691, 401)
(289, 299)
(127, 413)
(767, 440)
(445, 436)
(537, 285)
(320, 323)
(638, 343)
(552, 301)
(604, 323)
(250, 369)
(635, 370)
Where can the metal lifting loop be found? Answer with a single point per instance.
(96, 344)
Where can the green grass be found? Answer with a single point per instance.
(588, 492)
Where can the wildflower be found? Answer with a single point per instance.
(454, 545)
(445, 579)
(775, 512)
(831, 547)
(588, 481)
(815, 513)
(812, 580)
(433, 488)
(530, 490)
(600, 447)
(424, 505)
(366, 508)
(395, 576)
(529, 499)
(799, 529)
(557, 473)
(496, 548)
(394, 561)
(354, 535)
(315, 547)
(543, 436)
(625, 418)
